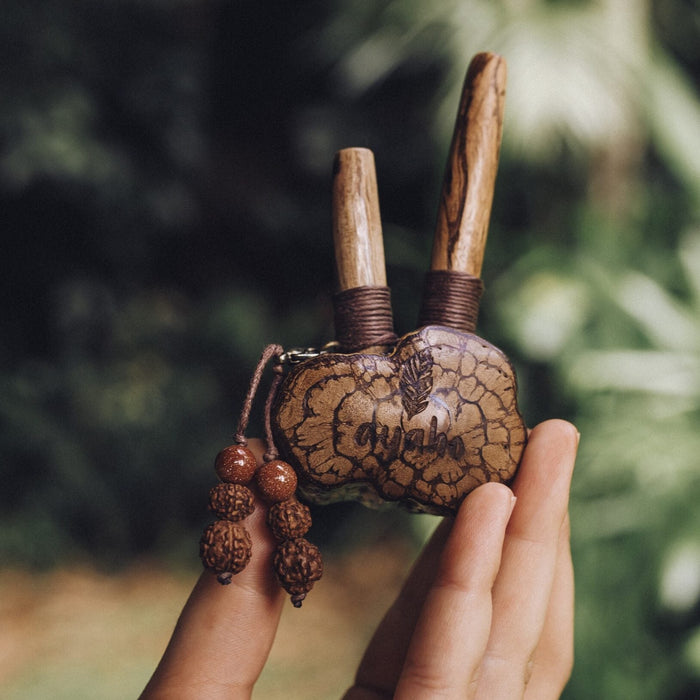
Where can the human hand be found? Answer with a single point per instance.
(486, 612)
(488, 609)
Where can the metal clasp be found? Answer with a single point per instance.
(294, 356)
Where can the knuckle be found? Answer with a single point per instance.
(423, 681)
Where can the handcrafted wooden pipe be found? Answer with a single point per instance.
(437, 416)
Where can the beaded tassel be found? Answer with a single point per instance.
(225, 545)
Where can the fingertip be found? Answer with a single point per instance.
(556, 429)
(551, 450)
(493, 494)
(492, 489)
(483, 515)
(492, 502)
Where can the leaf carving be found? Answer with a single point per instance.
(416, 382)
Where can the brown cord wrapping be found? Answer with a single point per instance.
(363, 318)
(451, 298)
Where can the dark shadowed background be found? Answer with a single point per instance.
(165, 172)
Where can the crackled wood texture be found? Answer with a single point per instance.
(424, 425)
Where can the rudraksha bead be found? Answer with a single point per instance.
(289, 519)
(298, 565)
(225, 548)
(231, 501)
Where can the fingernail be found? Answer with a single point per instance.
(513, 499)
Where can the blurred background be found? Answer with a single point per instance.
(165, 172)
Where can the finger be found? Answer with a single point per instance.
(554, 656)
(453, 628)
(224, 634)
(383, 660)
(524, 584)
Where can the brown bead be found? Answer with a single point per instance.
(298, 565)
(231, 501)
(277, 481)
(225, 548)
(235, 464)
(289, 519)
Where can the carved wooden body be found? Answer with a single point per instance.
(424, 425)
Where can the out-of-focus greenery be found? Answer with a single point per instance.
(165, 185)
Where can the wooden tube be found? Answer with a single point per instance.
(467, 193)
(357, 227)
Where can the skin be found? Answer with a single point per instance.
(486, 612)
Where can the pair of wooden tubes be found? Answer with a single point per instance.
(466, 198)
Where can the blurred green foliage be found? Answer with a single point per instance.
(165, 186)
